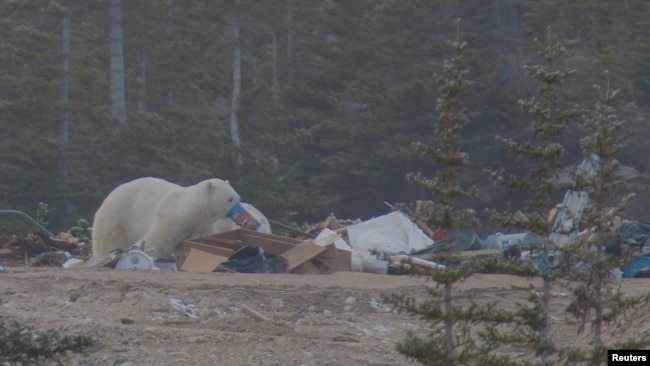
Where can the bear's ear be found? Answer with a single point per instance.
(211, 186)
(227, 181)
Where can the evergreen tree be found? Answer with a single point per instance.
(546, 152)
(590, 261)
(452, 341)
(30, 101)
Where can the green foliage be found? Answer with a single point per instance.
(353, 75)
(453, 340)
(41, 212)
(25, 344)
(588, 266)
(544, 148)
(447, 154)
(82, 230)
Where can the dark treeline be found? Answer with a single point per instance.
(332, 96)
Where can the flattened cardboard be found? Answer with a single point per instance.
(307, 268)
(301, 253)
(304, 257)
(221, 251)
(237, 239)
(338, 260)
(200, 261)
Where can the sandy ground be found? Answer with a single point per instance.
(181, 318)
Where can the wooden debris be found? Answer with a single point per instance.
(7, 241)
(35, 243)
(252, 313)
(127, 321)
(64, 241)
(302, 252)
(49, 259)
(297, 253)
(333, 223)
(9, 252)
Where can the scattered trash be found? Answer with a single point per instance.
(336, 245)
(251, 313)
(74, 262)
(393, 233)
(279, 254)
(135, 259)
(379, 306)
(243, 218)
(640, 268)
(165, 264)
(188, 310)
(251, 259)
(52, 259)
(3, 270)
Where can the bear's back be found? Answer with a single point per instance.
(127, 212)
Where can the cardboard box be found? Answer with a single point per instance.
(199, 261)
(303, 256)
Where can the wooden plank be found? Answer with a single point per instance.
(200, 261)
(250, 312)
(307, 268)
(224, 243)
(334, 260)
(8, 252)
(476, 253)
(237, 239)
(224, 252)
(301, 253)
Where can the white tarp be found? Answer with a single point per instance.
(393, 233)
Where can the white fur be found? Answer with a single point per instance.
(159, 214)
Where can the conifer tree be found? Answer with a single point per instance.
(545, 152)
(590, 260)
(451, 342)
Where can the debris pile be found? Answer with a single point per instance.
(40, 249)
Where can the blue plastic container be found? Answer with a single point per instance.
(637, 265)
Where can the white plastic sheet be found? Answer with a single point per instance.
(393, 233)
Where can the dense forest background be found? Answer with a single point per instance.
(325, 96)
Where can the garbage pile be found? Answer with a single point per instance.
(40, 249)
(378, 245)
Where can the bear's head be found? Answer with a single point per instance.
(220, 196)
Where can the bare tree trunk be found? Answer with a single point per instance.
(63, 122)
(276, 100)
(449, 322)
(546, 298)
(169, 23)
(236, 87)
(65, 91)
(287, 75)
(142, 95)
(598, 300)
(118, 99)
(289, 29)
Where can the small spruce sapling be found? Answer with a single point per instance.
(453, 340)
(26, 345)
(545, 153)
(589, 262)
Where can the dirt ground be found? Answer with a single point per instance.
(180, 318)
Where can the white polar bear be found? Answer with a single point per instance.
(223, 225)
(159, 214)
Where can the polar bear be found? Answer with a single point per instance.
(159, 215)
(223, 225)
